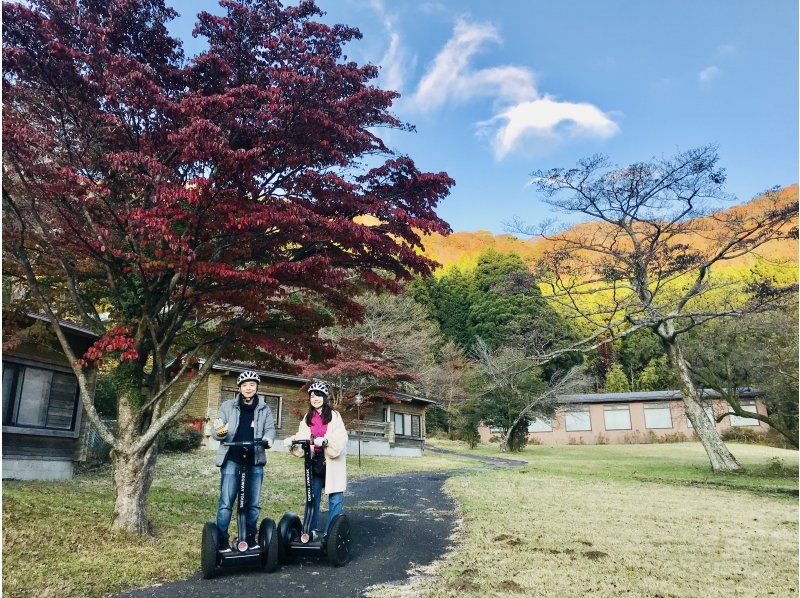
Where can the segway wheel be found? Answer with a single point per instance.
(289, 529)
(268, 540)
(208, 550)
(338, 547)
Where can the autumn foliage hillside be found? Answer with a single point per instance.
(462, 248)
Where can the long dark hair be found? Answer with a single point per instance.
(327, 412)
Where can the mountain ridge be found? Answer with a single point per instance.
(462, 248)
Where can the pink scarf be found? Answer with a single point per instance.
(318, 429)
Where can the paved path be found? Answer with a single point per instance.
(397, 522)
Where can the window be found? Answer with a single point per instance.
(745, 421)
(541, 424)
(709, 410)
(275, 403)
(406, 424)
(35, 397)
(578, 419)
(657, 416)
(617, 417)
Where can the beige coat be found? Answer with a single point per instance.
(335, 452)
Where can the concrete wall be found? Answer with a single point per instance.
(638, 433)
(46, 470)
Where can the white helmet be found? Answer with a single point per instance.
(248, 375)
(319, 387)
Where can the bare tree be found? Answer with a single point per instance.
(512, 390)
(649, 258)
(446, 381)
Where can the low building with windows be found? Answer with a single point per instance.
(633, 417)
(44, 432)
(386, 427)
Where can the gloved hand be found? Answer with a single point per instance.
(265, 443)
(320, 441)
(288, 441)
(220, 429)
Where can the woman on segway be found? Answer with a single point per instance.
(324, 426)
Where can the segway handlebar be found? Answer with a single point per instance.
(243, 443)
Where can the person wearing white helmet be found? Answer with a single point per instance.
(323, 425)
(245, 418)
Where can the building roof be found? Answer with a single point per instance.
(71, 326)
(240, 366)
(645, 396)
(407, 397)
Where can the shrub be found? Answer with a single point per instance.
(668, 438)
(751, 436)
(602, 439)
(181, 435)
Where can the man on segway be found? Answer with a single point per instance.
(242, 419)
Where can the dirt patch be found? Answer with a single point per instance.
(508, 540)
(509, 585)
(463, 585)
(595, 554)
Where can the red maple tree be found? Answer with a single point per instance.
(196, 207)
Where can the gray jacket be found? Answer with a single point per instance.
(264, 428)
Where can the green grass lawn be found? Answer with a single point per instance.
(56, 539)
(622, 520)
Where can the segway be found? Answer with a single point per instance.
(265, 554)
(295, 537)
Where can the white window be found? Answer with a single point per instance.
(709, 411)
(39, 398)
(617, 417)
(406, 424)
(577, 419)
(541, 424)
(745, 421)
(657, 416)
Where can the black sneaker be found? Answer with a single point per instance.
(252, 544)
(224, 547)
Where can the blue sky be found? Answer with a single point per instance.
(499, 89)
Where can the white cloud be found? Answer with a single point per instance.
(521, 114)
(395, 60)
(725, 50)
(548, 119)
(430, 8)
(451, 78)
(709, 74)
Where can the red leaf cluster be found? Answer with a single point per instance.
(228, 187)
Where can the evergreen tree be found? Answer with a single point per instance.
(616, 381)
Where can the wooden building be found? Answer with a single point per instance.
(44, 432)
(386, 427)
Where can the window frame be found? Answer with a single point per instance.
(403, 415)
(587, 410)
(747, 405)
(8, 426)
(616, 407)
(549, 421)
(660, 406)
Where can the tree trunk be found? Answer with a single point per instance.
(718, 454)
(133, 476)
(133, 470)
